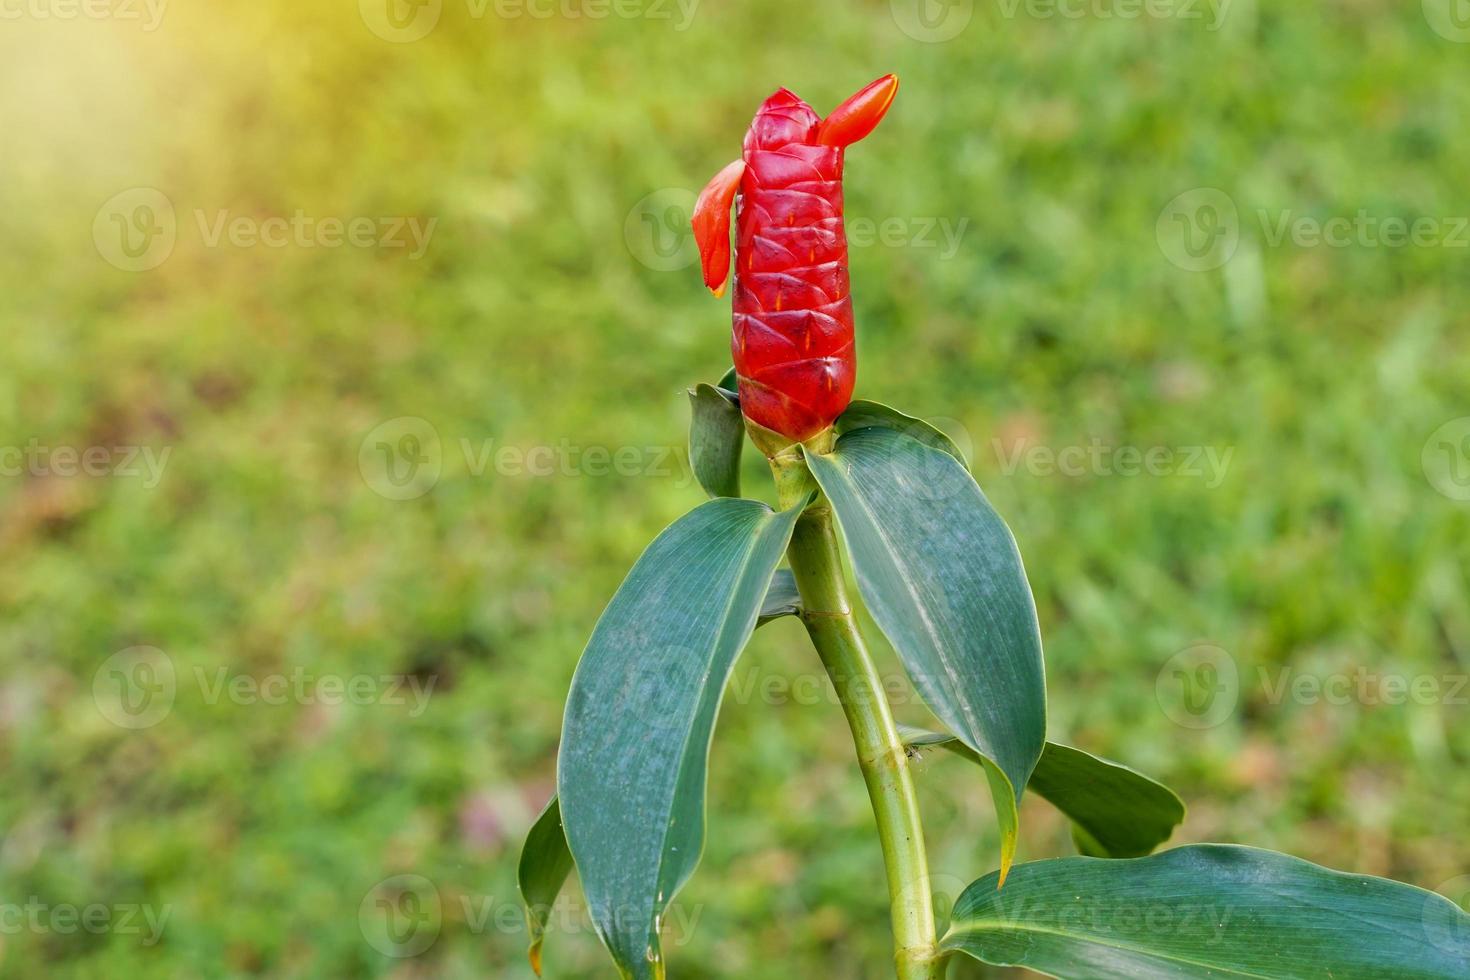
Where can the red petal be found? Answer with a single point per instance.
(858, 116)
(712, 225)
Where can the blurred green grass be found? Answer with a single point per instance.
(263, 830)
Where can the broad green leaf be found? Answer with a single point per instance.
(641, 713)
(545, 864)
(865, 414)
(729, 381)
(1209, 910)
(1116, 812)
(716, 436)
(940, 573)
(545, 858)
(782, 599)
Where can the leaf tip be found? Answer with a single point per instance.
(1007, 858)
(534, 955)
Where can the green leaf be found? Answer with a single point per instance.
(1116, 812)
(1209, 910)
(641, 713)
(729, 382)
(545, 864)
(546, 861)
(865, 415)
(940, 573)
(782, 599)
(716, 436)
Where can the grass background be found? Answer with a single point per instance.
(541, 316)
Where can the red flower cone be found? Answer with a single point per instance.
(793, 333)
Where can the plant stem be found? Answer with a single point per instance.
(828, 615)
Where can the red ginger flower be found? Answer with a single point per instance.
(793, 337)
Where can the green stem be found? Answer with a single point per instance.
(828, 616)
